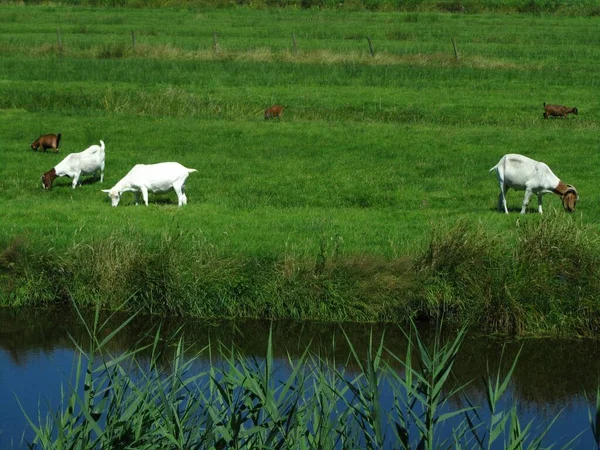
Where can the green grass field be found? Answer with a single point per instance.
(329, 207)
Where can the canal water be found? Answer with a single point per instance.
(553, 376)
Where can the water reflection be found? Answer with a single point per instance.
(552, 374)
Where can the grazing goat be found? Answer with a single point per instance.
(523, 173)
(558, 110)
(160, 177)
(76, 164)
(47, 141)
(274, 111)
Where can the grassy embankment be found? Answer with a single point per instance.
(370, 200)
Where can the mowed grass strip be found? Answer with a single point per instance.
(370, 156)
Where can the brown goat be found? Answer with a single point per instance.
(47, 141)
(274, 111)
(558, 111)
(48, 178)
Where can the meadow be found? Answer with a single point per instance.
(369, 201)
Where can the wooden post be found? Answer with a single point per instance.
(133, 39)
(455, 49)
(294, 49)
(58, 38)
(371, 46)
(215, 43)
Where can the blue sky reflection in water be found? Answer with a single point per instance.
(551, 374)
(33, 377)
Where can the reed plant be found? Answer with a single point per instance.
(228, 401)
(594, 417)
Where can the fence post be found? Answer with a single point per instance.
(133, 39)
(294, 49)
(371, 46)
(455, 49)
(215, 43)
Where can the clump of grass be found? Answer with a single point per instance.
(461, 268)
(150, 273)
(43, 280)
(12, 253)
(543, 276)
(559, 258)
(112, 50)
(11, 257)
(165, 52)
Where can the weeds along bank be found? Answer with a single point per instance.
(543, 279)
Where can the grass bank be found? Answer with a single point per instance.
(352, 207)
(542, 279)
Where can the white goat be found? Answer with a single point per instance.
(159, 177)
(76, 164)
(522, 173)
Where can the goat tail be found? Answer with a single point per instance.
(191, 170)
(102, 144)
(544, 104)
(58, 139)
(494, 168)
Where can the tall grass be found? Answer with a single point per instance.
(127, 401)
(210, 284)
(541, 280)
(543, 274)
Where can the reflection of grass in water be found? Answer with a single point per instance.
(248, 403)
(551, 372)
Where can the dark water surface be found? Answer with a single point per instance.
(552, 376)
